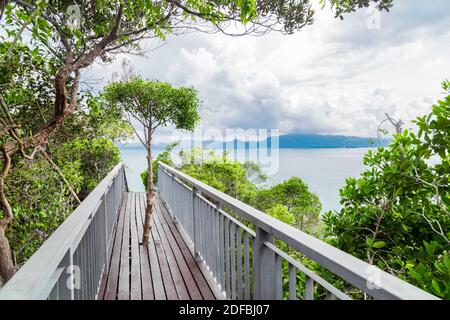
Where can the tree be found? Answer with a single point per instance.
(234, 178)
(220, 172)
(290, 201)
(303, 205)
(106, 28)
(163, 157)
(27, 101)
(153, 104)
(397, 214)
(347, 6)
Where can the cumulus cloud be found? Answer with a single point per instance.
(334, 77)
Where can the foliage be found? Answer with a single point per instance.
(82, 148)
(219, 172)
(41, 202)
(72, 35)
(294, 195)
(26, 86)
(155, 103)
(290, 201)
(346, 6)
(163, 157)
(49, 19)
(281, 212)
(397, 214)
(254, 173)
(96, 158)
(91, 121)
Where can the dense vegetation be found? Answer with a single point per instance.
(45, 189)
(290, 201)
(397, 214)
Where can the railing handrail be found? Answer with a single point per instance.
(353, 270)
(32, 279)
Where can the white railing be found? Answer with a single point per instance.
(70, 263)
(236, 242)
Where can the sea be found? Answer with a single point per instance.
(324, 170)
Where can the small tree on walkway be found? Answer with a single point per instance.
(153, 104)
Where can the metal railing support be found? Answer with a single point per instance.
(172, 193)
(195, 226)
(106, 239)
(264, 275)
(66, 290)
(70, 262)
(265, 266)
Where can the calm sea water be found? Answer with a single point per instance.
(324, 170)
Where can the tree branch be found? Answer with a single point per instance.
(60, 173)
(4, 203)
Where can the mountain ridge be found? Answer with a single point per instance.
(286, 141)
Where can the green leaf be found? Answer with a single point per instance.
(436, 287)
(379, 244)
(447, 261)
(398, 192)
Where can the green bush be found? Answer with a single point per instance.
(96, 157)
(41, 201)
(163, 157)
(397, 214)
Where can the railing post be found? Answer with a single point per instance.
(105, 217)
(264, 267)
(159, 184)
(66, 281)
(172, 195)
(194, 221)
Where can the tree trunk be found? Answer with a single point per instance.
(10, 148)
(6, 261)
(149, 208)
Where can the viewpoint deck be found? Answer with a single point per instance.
(165, 269)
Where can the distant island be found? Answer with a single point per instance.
(286, 141)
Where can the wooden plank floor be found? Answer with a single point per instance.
(164, 269)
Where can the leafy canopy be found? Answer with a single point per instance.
(99, 19)
(290, 201)
(26, 87)
(303, 206)
(347, 6)
(77, 33)
(154, 103)
(397, 214)
(220, 172)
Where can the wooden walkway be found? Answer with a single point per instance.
(163, 270)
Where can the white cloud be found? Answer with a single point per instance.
(334, 77)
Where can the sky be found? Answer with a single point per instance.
(333, 77)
